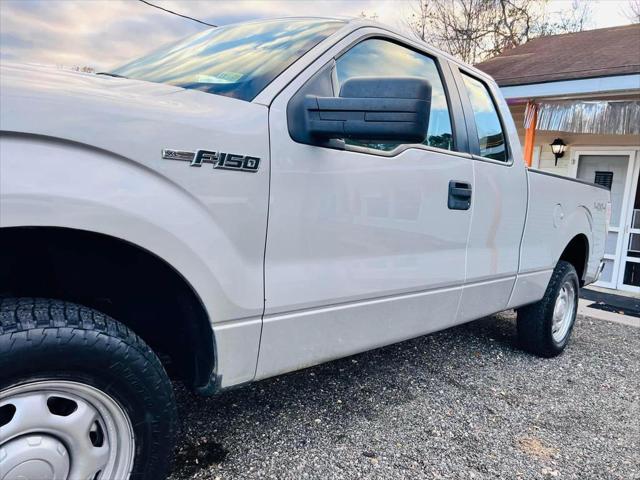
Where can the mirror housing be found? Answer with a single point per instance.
(390, 109)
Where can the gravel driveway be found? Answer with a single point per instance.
(462, 404)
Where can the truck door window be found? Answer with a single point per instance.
(490, 134)
(380, 58)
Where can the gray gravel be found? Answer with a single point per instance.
(460, 404)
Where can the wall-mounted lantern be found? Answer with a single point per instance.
(558, 147)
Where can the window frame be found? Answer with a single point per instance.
(472, 131)
(445, 70)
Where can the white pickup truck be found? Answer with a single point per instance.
(252, 200)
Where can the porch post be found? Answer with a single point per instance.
(531, 121)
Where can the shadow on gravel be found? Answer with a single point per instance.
(195, 455)
(338, 395)
(464, 403)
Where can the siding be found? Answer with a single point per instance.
(573, 140)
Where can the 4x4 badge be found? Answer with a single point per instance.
(221, 160)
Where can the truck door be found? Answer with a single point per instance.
(500, 199)
(363, 248)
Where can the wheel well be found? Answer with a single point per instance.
(118, 278)
(577, 254)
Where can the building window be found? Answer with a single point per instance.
(605, 179)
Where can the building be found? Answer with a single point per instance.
(581, 92)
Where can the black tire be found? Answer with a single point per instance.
(43, 339)
(535, 321)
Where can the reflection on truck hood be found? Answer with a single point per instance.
(132, 118)
(49, 79)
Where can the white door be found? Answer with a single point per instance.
(629, 272)
(615, 170)
(362, 249)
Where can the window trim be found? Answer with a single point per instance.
(456, 114)
(402, 148)
(472, 131)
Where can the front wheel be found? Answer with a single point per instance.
(81, 396)
(544, 328)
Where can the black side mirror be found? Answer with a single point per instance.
(393, 109)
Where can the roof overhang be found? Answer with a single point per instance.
(574, 88)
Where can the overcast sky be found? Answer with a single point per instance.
(105, 33)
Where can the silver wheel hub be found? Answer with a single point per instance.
(62, 430)
(34, 456)
(563, 311)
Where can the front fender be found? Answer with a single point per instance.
(49, 182)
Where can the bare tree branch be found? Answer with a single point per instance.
(632, 11)
(477, 29)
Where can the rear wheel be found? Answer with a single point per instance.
(544, 328)
(81, 396)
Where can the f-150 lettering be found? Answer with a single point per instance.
(226, 161)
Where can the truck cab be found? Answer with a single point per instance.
(256, 199)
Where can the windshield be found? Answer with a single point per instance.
(237, 60)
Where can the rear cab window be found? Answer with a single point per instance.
(490, 132)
